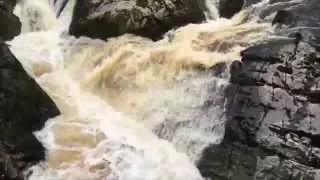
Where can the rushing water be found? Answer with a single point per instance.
(132, 109)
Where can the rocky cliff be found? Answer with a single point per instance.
(273, 104)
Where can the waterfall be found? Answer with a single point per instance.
(58, 6)
(211, 9)
(144, 111)
(39, 15)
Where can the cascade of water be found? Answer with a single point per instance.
(58, 6)
(143, 111)
(211, 9)
(35, 15)
(38, 15)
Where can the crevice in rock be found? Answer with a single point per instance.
(282, 131)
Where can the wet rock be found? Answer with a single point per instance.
(10, 24)
(303, 18)
(271, 112)
(248, 3)
(227, 8)
(281, 17)
(103, 19)
(300, 14)
(273, 106)
(24, 108)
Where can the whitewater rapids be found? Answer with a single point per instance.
(131, 108)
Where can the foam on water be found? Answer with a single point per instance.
(131, 108)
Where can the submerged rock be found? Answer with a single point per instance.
(10, 24)
(148, 18)
(24, 108)
(273, 106)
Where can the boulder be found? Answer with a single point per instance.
(24, 108)
(148, 18)
(273, 105)
(10, 24)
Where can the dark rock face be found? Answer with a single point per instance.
(227, 8)
(109, 18)
(24, 108)
(273, 106)
(10, 4)
(10, 24)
